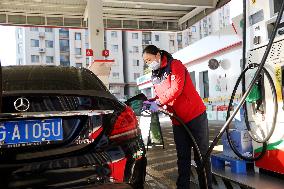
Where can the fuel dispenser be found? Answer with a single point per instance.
(262, 16)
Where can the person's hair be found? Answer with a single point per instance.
(152, 49)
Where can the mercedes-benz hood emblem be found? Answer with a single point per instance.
(22, 104)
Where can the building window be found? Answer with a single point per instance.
(77, 36)
(48, 30)
(78, 51)
(48, 44)
(179, 37)
(63, 33)
(136, 76)
(87, 62)
(64, 60)
(172, 43)
(192, 77)
(114, 34)
(135, 49)
(79, 65)
(20, 61)
(115, 75)
(33, 28)
(64, 45)
(49, 59)
(86, 45)
(134, 35)
(20, 48)
(193, 28)
(35, 58)
(135, 62)
(115, 48)
(204, 84)
(157, 38)
(146, 36)
(20, 33)
(34, 43)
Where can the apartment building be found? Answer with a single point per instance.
(51, 46)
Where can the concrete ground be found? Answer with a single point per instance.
(162, 168)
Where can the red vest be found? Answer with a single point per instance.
(176, 90)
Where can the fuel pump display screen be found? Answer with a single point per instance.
(256, 17)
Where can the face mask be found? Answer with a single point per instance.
(154, 65)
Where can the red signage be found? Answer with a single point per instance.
(222, 108)
(89, 52)
(105, 53)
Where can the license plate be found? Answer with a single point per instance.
(29, 131)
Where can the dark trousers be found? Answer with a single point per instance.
(199, 129)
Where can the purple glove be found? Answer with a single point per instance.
(152, 106)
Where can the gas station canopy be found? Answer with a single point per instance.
(117, 14)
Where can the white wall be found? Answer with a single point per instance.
(56, 47)
(116, 84)
(164, 41)
(133, 56)
(19, 55)
(215, 21)
(49, 51)
(116, 56)
(77, 44)
(195, 33)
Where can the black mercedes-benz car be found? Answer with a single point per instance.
(61, 128)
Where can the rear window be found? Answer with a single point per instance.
(49, 78)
